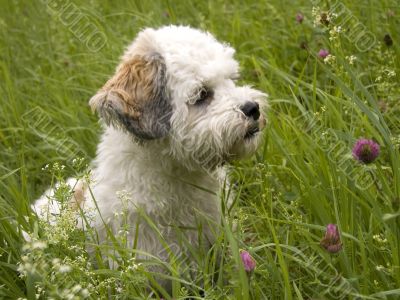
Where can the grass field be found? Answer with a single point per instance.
(302, 178)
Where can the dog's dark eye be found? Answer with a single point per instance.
(205, 96)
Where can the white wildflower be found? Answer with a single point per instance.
(123, 232)
(39, 245)
(391, 73)
(379, 238)
(379, 268)
(35, 245)
(85, 293)
(64, 269)
(124, 196)
(330, 59)
(351, 59)
(133, 267)
(76, 288)
(335, 32)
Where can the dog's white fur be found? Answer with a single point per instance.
(173, 175)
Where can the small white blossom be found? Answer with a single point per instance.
(379, 268)
(85, 293)
(76, 288)
(35, 245)
(124, 196)
(380, 238)
(330, 59)
(64, 269)
(39, 245)
(335, 32)
(351, 59)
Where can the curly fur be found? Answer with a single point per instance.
(160, 146)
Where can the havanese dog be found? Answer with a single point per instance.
(173, 118)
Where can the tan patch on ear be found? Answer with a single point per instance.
(134, 84)
(135, 99)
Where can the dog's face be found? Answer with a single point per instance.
(176, 85)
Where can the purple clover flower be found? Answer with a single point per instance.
(366, 151)
(299, 18)
(331, 242)
(323, 53)
(249, 262)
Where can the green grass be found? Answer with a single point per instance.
(302, 178)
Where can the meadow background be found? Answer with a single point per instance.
(302, 178)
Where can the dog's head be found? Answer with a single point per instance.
(177, 84)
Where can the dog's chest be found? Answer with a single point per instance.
(175, 200)
(182, 198)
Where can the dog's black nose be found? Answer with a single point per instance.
(251, 109)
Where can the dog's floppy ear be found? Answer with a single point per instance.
(135, 98)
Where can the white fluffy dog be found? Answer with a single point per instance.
(173, 116)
